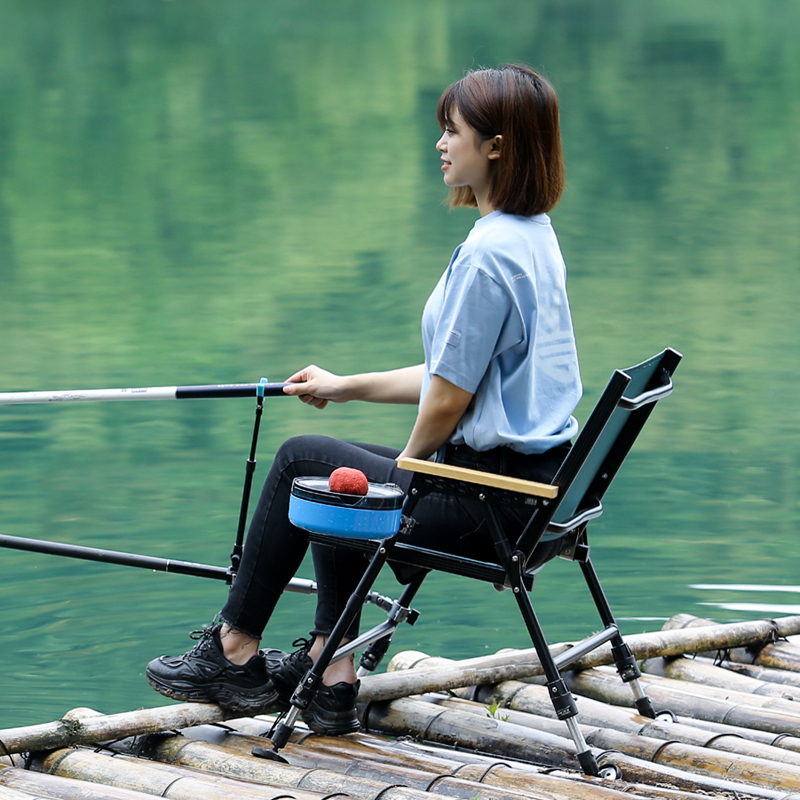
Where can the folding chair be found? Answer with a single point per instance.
(559, 513)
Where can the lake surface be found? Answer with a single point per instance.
(199, 192)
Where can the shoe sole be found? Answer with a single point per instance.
(262, 704)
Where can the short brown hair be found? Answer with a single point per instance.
(522, 107)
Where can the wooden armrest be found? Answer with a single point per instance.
(475, 476)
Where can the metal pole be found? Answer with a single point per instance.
(298, 585)
(259, 390)
(145, 393)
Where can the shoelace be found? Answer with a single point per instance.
(203, 638)
(303, 645)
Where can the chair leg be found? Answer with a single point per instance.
(310, 683)
(624, 659)
(560, 696)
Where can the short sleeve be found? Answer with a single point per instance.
(471, 319)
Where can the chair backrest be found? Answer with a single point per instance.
(601, 447)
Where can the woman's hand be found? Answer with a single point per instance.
(317, 387)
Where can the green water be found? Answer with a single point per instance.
(201, 192)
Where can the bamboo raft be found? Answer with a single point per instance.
(481, 729)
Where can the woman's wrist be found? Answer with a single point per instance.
(352, 387)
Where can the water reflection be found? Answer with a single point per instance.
(759, 608)
(745, 587)
(210, 193)
(773, 607)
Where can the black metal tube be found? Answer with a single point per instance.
(352, 607)
(297, 585)
(114, 557)
(586, 646)
(230, 390)
(250, 468)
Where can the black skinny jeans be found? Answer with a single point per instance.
(275, 548)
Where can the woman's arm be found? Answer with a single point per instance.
(318, 387)
(442, 408)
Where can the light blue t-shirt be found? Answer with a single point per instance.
(498, 325)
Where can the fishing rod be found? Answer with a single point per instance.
(153, 563)
(228, 574)
(263, 389)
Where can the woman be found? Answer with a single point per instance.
(496, 392)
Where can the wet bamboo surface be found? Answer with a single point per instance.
(92, 727)
(775, 655)
(476, 733)
(673, 641)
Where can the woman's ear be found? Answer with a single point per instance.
(497, 142)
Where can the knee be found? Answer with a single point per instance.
(308, 449)
(302, 446)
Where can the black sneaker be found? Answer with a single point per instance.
(204, 675)
(287, 670)
(332, 712)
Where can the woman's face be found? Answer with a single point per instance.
(465, 156)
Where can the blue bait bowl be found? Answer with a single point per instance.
(375, 515)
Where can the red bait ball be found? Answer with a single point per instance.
(346, 480)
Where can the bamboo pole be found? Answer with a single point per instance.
(463, 784)
(534, 703)
(13, 794)
(71, 730)
(488, 779)
(765, 653)
(491, 669)
(50, 786)
(411, 717)
(401, 717)
(473, 763)
(366, 747)
(711, 762)
(361, 766)
(179, 751)
(516, 774)
(781, 741)
(766, 674)
(144, 779)
(608, 688)
(523, 663)
(659, 789)
(706, 673)
(596, 711)
(580, 789)
(769, 768)
(645, 772)
(771, 701)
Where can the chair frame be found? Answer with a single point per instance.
(560, 511)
